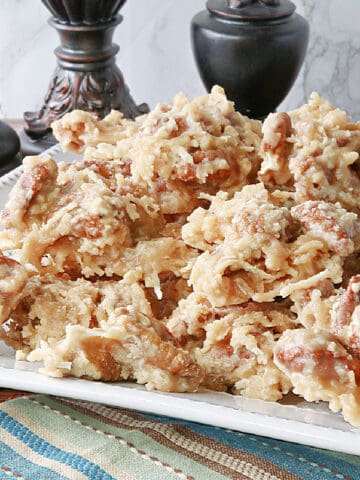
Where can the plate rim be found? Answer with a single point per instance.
(184, 408)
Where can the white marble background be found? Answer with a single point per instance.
(156, 57)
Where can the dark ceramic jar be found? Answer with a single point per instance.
(9, 148)
(254, 49)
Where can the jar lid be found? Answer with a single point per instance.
(251, 10)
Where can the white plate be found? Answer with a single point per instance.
(293, 420)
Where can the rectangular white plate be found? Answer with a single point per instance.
(292, 420)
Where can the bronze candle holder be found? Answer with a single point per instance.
(253, 48)
(86, 76)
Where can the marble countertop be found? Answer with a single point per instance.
(156, 58)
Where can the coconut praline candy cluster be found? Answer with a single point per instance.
(192, 248)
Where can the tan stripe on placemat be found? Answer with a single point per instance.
(159, 437)
(48, 432)
(205, 450)
(32, 456)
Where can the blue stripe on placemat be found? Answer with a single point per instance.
(14, 465)
(308, 463)
(49, 451)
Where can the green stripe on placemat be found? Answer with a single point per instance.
(53, 438)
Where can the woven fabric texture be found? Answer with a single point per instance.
(44, 437)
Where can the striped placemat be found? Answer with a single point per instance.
(44, 437)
